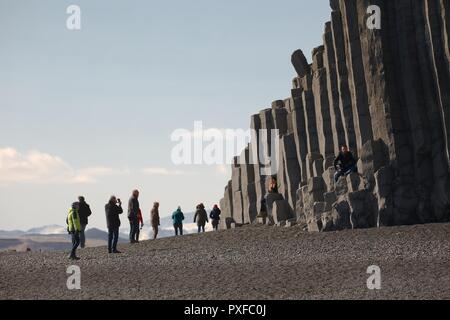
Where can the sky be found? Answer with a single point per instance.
(91, 111)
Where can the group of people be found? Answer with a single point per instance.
(77, 220)
(201, 217)
(344, 164)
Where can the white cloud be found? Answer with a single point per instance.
(158, 171)
(40, 167)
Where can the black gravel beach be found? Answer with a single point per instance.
(252, 262)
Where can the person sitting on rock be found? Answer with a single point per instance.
(214, 215)
(201, 217)
(344, 163)
(263, 212)
(273, 186)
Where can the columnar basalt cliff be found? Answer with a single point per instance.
(383, 92)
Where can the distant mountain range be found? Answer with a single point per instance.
(51, 229)
(47, 238)
(55, 237)
(45, 230)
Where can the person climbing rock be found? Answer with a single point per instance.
(74, 229)
(201, 217)
(113, 209)
(344, 163)
(154, 219)
(177, 218)
(84, 211)
(214, 215)
(133, 212)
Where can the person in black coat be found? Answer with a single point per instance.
(133, 216)
(215, 217)
(84, 211)
(344, 164)
(113, 209)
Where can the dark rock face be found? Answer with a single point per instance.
(383, 92)
(300, 63)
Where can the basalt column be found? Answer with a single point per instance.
(385, 92)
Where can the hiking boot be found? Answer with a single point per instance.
(116, 251)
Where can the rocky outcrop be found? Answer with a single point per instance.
(384, 93)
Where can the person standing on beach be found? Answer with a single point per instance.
(201, 217)
(215, 217)
(154, 219)
(74, 229)
(177, 218)
(84, 211)
(113, 209)
(133, 216)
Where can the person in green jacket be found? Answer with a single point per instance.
(177, 218)
(74, 229)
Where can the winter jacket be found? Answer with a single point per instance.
(201, 217)
(112, 215)
(177, 217)
(215, 214)
(154, 217)
(73, 221)
(133, 208)
(345, 160)
(84, 211)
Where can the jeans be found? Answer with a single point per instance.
(138, 232)
(178, 227)
(134, 229)
(201, 228)
(75, 244)
(113, 237)
(155, 232)
(215, 224)
(83, 236)
(344, 172)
